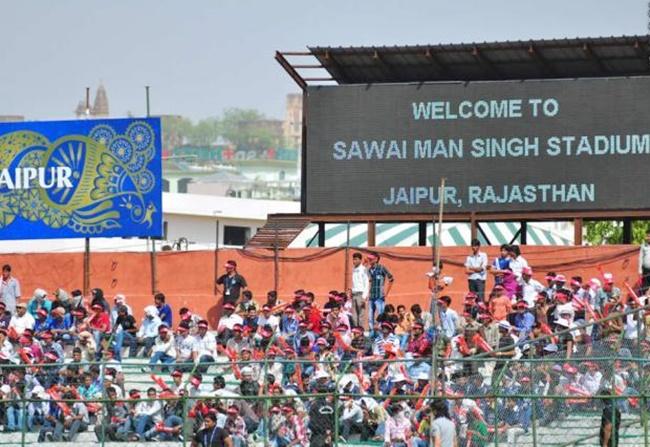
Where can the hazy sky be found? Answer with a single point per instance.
(206, 55)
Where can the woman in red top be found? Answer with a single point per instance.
(99, 323)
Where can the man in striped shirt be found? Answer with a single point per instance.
(385, 337)
(381, 281)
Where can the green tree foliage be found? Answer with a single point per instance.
(611, 232)
(247, 128)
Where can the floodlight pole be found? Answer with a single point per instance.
(434, 296)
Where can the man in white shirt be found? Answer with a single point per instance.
(644, 263)
(21, 320)
(360, 291)
(518, 262)
(205, 347)
(352, 417)
(476, 269)
(147, 414)
(148, 331)
(267, 319)
(9, 289)
(529, 287)
(164, 348)
(227, 321)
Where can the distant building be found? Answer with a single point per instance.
(292, 124)
(99, 108)
(11, 118)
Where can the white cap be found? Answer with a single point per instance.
(320, 374)
(40, 293)
(120, 298)
(595, 282)
(6, 389)
(448, 280)
(151, 310)
(562, 322)
(504, 324)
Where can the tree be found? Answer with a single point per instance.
(611, 232)
(175, 130)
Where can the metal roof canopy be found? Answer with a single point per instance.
(488, 61)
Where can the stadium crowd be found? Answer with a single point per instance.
(358, 344)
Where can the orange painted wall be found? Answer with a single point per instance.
(187, 277)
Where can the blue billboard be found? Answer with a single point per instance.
(84, 178)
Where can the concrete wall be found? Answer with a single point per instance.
(187, 278)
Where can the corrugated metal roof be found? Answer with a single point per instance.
(533, 59)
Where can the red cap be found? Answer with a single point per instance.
(266, 307)
(321, 342)
(42, 312)
(560, 278)
(237, 327)
(97, 306)
(229, 306)
(177, 373)
(527, 271)
(203, 324)
(230, 264)
(195, 381)
(233, 410)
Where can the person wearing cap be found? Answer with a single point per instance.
(38, 301)
(164, 349)
(476, 269)
(40, 323)
(266, 318)
(236, 426)
(86, 344)
(529, 287)
(238, 341)
(336, 317)
(147, 333)
(59, 324)
(608, 292)
(523, 320)
(119, 300)
(505, 347)
(21, 320)
(125, 329)
(205, 347)
(385, 341)
(289, 324)
(99, 323)
(185, 344)
(381, 281)
(9, 289)
(231, 282)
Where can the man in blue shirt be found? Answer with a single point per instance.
(381, 281)
(164, 310)
(523, 320)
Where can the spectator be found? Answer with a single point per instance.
(118, 301)
(443, 430)
(9, 289)
(39, 301)
(500, 264)
(360, 291)
(125, 330)
(185, 347)
(164, 310)
(211, 435)
(205, 347)
(449, 320)
(232, 282)
(164, 349)
(97, 297)
(476, 269)
(146, 415)
(529, 287)
(381, 281)
(22, 320)
(146, 335)
(644, 263)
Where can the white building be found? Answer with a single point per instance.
(189, 221)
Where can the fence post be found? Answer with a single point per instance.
(185, 414)
(23, 404)
(496, 422)
(640, 330)
(533, 401)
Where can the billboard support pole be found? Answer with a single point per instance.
(216, 259)
(86, 266)
(347, 255)
(276, 260)
(154, 259)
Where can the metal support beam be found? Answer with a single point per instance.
(485, 62)
(422, 234)
(577, 231)
(595, 59)
(485, 236)
(547, 69)
(333, 66)
(627, 230)
(387, 68)
(372, 227)
(284, 63)
(523, 233)
(433, 59)
(473, 226)
(321, 234)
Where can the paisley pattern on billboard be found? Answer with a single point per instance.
(102, 182)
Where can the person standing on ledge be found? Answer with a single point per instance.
(644, 263)
(476, 269)
(381, 281)
(360, 291)
(232, 282)
(9, 289)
